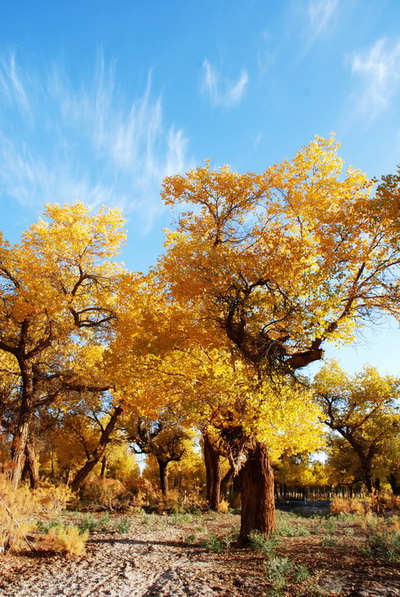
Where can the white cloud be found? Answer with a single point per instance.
(377, 71)
(320, 14)
(63, 142)
(223, 92)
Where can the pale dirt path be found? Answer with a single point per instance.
(146, 562)
(154, 560)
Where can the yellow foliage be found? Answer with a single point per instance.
(19, 506)
(68, 540)
(223, 506)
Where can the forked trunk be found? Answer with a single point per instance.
(213, 474)
(257, 494)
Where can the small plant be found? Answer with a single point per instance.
(265, 545)
(219, 543)
(190, 538)
(291, 526)
(383, 544)
(122, 525)
(329, 541)
(69, 540)
(278, 570)
(281, 571)
(90, 522)
(223, 507)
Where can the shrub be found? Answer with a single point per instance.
(223, 507)
(69, 540)
(383, 543)
(218, 543)
(18, 507)
(122, 526)
(289, 525)
(106, 493)
(53, 498)
(350, 506)
(265, 545)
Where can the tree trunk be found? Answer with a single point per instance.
(213, 473)
(30, 471)
(394, 484)
(18, 447)
(98, 452)
(162, 465)
(257, 494)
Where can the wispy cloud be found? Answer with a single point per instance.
(62, 141)
(223, 92)
(377, 72)
(321, 14)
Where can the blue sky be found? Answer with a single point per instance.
(100, 99)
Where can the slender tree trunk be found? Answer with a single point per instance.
(213, 473)
(103, 467)
(162, 465)
(257, 494)
(225, 482)
(98, 452)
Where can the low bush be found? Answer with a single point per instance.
(69, 540)
(383, 542)
(103, 493)
(19, 508)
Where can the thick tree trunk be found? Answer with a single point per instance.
(30, 471)
(18, 447)
(257, 494)
(213, 474)
(162, 465)
(98, 452)
(394, 484)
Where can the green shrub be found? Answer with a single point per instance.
(265, 545)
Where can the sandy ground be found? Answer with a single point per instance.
(162, 558)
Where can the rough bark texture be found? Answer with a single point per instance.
(30, 471)
(257, 494)
(213, 474)
(18, 448)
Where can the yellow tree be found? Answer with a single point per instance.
(56, 286)
(275, 264)
(363, 409)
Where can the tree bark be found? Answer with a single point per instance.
(30, 470)
(394, 484)
(19, 443)
(257, 494)
(98, 452)
(162, 465)
(213, 473)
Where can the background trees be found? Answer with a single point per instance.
(363, 409)
(56, 296)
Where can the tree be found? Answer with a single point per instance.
(363, 410)
(56, 295)
(165, 438)
(273, 265)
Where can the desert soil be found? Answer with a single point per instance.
(160, 558)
